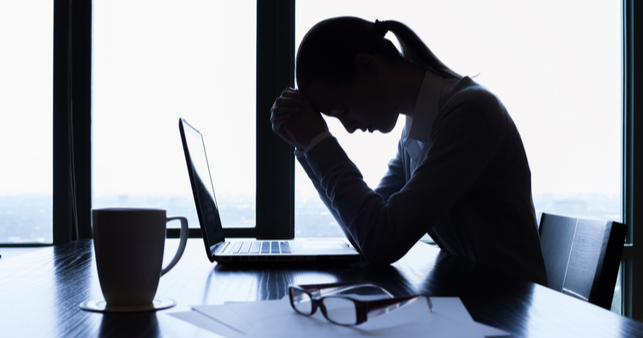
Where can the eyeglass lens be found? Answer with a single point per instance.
(301, 301)
(340, 310)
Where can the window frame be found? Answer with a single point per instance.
(632, 189)
(72, 120)
(72, 112)
(275, 162)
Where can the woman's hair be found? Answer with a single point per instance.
(328, 50)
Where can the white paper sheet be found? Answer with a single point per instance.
(224, 315)
(200, 320)
(276, 318)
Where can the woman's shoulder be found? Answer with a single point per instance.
(473, 103)
(468, 93)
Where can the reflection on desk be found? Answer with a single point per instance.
(41, 292)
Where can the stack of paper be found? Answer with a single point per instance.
(274, 318)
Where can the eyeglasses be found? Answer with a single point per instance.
(343, 310)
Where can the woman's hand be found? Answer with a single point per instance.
(282, 110)
(294, 119)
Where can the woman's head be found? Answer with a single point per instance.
(328, 51)
(348, 70)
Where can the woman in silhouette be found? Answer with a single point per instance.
(460, 173)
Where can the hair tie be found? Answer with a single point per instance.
(379, 28)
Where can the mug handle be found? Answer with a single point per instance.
(182, 243)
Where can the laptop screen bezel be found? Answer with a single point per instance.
(211, 242)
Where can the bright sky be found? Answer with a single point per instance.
(555, 64)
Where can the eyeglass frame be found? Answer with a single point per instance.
(362, 308)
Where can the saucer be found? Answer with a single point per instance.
(101, 306)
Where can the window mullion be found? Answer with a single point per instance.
(632, 157)
(72, 120)
(275, 160)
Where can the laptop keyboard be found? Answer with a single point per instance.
(260, 247)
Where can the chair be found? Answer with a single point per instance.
(582, 256)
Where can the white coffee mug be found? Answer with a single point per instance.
(128, 245)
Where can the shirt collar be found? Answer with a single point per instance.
(418, 126)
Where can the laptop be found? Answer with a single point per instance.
(247, 251)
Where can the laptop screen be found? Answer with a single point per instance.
(202, 188)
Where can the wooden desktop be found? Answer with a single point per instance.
(40, 293)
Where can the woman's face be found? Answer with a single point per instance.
(364, 104)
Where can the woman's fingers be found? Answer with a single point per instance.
(287, 103)
(286, 106)
(278, 123)
(291, 92)
(281, 115)
(294, 118)
(306, 125)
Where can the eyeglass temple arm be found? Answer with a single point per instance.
(329, 289)
(380, 307)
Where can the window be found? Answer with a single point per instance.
(156, 62)
(565, 105)
(26, 130)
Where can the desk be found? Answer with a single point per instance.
(40, 293)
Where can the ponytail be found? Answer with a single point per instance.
(327, 52)
(414, 49)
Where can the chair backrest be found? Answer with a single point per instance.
(582, 256)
